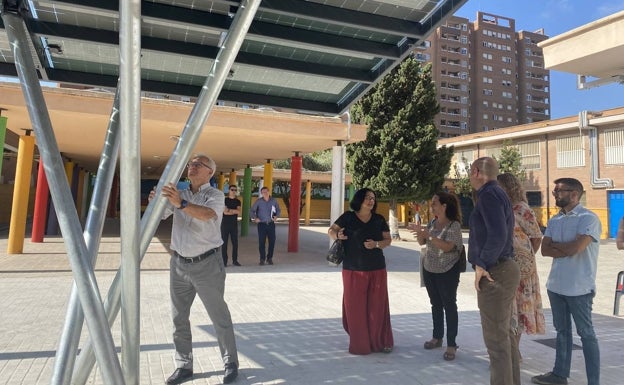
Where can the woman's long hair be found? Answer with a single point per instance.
(512, 187)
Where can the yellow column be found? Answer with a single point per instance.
(79, 193)
(268, 176)
(232, 180)
(220, 181)
(308, 202)
(21, 192)
(69, 171)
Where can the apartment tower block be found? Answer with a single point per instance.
(487, 75)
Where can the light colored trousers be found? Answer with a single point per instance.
(206, 279)
(495, 306)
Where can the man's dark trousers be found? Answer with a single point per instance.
(266, 230)
(229, 229)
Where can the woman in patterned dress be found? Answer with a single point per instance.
(528, 315)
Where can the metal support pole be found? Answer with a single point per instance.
(338, 181)
(181, 153)
(74, 317)
(88, 290)
(130, 177)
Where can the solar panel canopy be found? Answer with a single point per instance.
(316, 56)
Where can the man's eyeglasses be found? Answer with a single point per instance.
(560, 190)
(197, 165)
(233, 189)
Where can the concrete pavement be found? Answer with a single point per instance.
(287, 318)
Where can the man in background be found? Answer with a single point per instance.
(229, 225)
(264, 212)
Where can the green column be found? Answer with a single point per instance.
(246, 201)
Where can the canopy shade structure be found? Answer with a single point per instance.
(315, 56)
(594, 50)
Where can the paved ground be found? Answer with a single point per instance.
(287, 318)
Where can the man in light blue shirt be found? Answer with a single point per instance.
(264, 212)
(572, 239)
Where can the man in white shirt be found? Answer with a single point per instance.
(197, 267)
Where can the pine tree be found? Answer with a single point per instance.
(399, 159)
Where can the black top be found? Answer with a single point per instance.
(232, 204)
(357, 257)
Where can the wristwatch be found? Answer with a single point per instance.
(183, 204)
(430, 238)
(377, 244)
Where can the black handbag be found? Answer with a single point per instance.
(462, 260)
(336, 252)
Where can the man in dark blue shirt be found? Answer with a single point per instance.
(490, 250)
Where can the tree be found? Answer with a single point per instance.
(399, 158)
(510, 160)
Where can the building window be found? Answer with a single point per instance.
(462, 161)
(614, 146)
(534, 198)
(493, 151)
(570, 151)
(530, 153)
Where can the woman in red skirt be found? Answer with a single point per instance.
(365, 305)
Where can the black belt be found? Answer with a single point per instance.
(198, 258)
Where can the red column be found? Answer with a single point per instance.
(112, 201)
(295, 202)
(41, 205)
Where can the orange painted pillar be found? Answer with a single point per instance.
(21, 192)
(232, 180)
(268, 176)
(41, 205)
(295, 203)
(221, 181)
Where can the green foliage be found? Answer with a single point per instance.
(510, 160)
(399, 158)
(317, 161)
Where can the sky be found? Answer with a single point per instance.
(557, 17)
